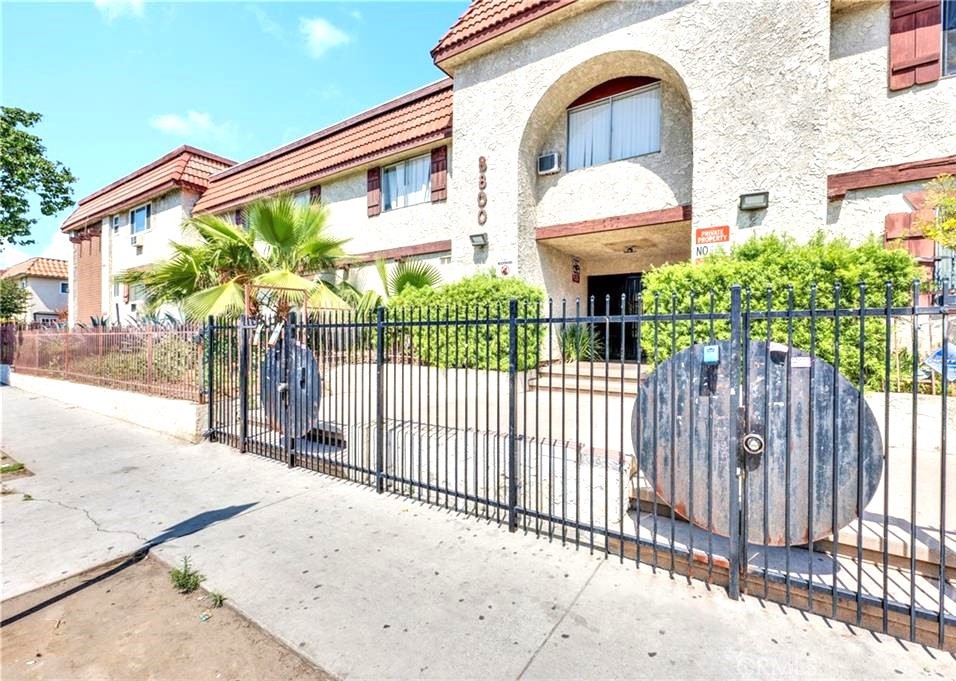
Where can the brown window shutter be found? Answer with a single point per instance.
(439, 174)
(374, 191)
(315, 193)
(125, 293)
(915, 37)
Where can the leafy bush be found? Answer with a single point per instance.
(481, 346)
(174, 360)
(772, 268)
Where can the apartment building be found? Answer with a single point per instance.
(47, 284)
(127, 225)
(579, 143)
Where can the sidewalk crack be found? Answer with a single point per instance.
(96, 524)
(560, 619)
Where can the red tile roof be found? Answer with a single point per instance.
(486, 19)
(410, 121)
(47, 268)
(184, 166)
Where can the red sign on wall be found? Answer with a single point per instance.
(706, 239)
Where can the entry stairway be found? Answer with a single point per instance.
(598, 378)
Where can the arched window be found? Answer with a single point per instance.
(618, 119)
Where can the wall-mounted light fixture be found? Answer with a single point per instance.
(754, 201)
(479, 240)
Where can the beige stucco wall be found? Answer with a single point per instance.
(756, 90)
(870, 126)
(649, 182)
(45, 296)
(346, 197)
(862, 212)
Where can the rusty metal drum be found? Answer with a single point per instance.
(808, 445)
(298, 382)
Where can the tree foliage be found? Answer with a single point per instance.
(25, 170)
(938, 219)
(283, 244)
(13, 299)
(773, 271)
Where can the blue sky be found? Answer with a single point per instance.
(122, 82)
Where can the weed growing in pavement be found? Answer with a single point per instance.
(186, 579)
(217, 599)
(27, 497)
(11, 468)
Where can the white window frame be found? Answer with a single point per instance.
(403, 197)
(137, 293)
(149, 218)
(116, 223)
(608, 101)
(944, 52)
(64, 287)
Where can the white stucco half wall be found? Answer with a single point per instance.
(178, 418)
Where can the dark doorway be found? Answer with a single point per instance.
(606, 291)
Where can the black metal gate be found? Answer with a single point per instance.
(797, 454)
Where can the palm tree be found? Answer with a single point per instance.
(231, 269)
(406, 274)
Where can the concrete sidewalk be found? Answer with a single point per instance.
(371, 586)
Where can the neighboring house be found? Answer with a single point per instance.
(129, 224)
(595, 139)
(46, 280)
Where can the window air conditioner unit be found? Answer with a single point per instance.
(549, 163)
(136, 240)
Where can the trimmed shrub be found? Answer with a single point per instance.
(771, 268)
(481, 346)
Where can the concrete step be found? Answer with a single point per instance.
(612, 369)
(596, 386)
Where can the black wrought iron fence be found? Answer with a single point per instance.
(751, 444)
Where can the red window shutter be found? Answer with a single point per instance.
(125, 293)
(915, 37)
(315, 193)
(439, 174)
(898, 225)
(374, 191)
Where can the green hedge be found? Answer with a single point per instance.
(770, 265)
(482, 346)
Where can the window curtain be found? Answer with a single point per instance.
(417, 176)
(589, 136)
(390, 189)
(949, 37)
(636, 124)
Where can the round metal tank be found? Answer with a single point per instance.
(822, 458)
(302, 383)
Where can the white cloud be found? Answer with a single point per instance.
(321, 36)
(59, 247)
(11, 255)
(196, 125)
(355, 14)
(114, 9)
(266, 23)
